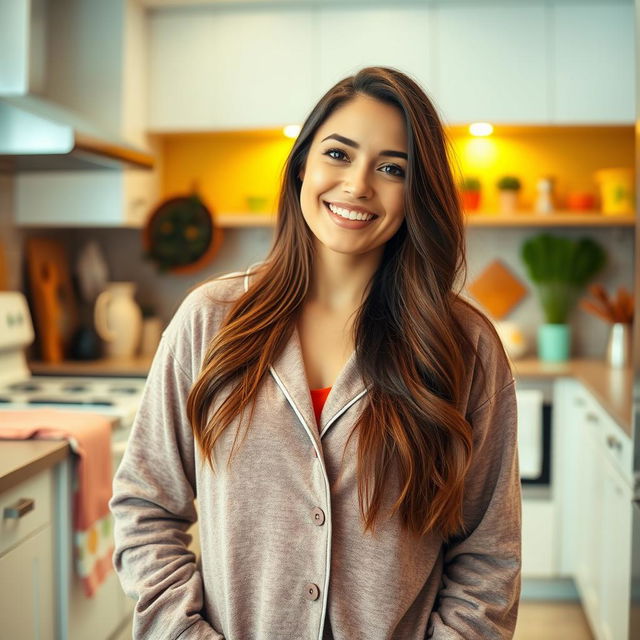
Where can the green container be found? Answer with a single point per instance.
(554, 341)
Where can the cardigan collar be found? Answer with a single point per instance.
(290, 374)
(289, 370)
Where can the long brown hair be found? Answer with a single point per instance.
(410, 346)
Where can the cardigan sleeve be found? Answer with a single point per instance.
(480, 588)
(153, 507)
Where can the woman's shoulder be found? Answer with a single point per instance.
(200, 315)
(487, 365)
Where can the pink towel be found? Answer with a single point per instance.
(90, 438)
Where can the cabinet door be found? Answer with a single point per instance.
(594, 74)
(26, 589)
(492, 63)
(230, 68)
(616, 555)
(392, 36)
(590, 515)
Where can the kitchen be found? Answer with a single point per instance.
(196, 89)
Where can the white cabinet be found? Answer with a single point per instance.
(395, 35)
(593, 63)
(615, 559)
(243, 67)
(238, 68)
(84, 198)
(492, 63)
(26, 560)
(596, 504)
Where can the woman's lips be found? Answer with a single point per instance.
(345, 223)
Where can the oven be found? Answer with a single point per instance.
(118, 398)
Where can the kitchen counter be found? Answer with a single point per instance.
(137, 367)
(20, 459)
(612, 388)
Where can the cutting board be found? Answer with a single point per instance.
(54, 306)
(4, 271)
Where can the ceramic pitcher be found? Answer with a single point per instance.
(118, 319)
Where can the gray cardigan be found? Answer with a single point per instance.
(283, 553)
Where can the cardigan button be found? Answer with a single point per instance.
(311, 591)
(318, 516)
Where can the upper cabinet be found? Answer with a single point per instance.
(225, 67)
(492, 63)
(352, 37)
(593, 63)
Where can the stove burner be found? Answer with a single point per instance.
(59, 401)
(24, 386)
(75, 388)
(127, 390)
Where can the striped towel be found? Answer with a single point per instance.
(89, 436)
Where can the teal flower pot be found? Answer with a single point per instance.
(554, 342)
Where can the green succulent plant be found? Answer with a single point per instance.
(509, 183)
(560, 269)
(470, 184)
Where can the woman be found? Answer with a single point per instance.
(393, 510)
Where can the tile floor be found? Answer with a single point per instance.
(536, 621)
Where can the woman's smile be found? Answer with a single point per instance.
(350, 217)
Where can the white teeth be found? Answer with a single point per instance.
(350, 215)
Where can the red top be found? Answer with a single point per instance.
(318, 397)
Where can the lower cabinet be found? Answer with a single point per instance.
(26, 560)
(597, 529)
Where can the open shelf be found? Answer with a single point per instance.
(555, 219)
(480, 219)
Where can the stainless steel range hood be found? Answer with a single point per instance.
(37, 135)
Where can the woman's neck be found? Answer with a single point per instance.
(340, 281)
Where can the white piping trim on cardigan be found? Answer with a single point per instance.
(346, 406)
(327, 489)
(246, 274)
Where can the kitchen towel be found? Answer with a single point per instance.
(89, 436)
(530, 432)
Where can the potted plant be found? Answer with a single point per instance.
(470, 190)
(508, 191)
(560, 269)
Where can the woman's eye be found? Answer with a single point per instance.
(395, 170)
(339, 154)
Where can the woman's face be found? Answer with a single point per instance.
(356, 168)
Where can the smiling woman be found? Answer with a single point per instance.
(353, 186)
(365, 410)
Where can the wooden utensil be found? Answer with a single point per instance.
(55, 314)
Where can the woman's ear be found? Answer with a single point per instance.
(301, 175)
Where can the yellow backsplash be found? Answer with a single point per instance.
(229, 167)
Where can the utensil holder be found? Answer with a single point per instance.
(619, 345)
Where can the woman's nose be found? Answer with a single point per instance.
(357, 182)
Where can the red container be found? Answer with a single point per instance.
(471, 200)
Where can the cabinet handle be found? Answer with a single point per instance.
(613, 443)
(20, 508)
(592, 417)
(579, 402)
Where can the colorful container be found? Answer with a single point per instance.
(616, 191)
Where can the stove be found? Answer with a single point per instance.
(115, 397)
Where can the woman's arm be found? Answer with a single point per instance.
(481, 583)
(153, 506)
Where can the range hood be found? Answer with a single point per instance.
(36, 131)
(38, 135)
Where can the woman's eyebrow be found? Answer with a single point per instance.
(355, 145)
